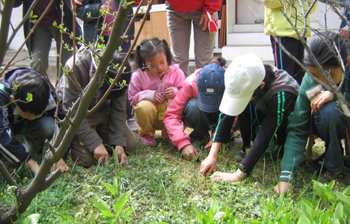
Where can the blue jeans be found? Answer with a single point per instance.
(330, 127)
(200, 121)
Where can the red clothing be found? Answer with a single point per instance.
(50, 17)
(210, 6)
(174, 113)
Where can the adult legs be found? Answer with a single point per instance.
(40, 47)
(179, 25)
(204, 41)
(283, 61)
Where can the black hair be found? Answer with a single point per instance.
(270, 76)
(149, 48)
(324, 47)
(34, 84)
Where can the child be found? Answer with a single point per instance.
(313, 99)
(196, 105)
(107, 125)
(27, 108)
(152, 86)
(263, 97)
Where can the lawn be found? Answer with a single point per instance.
(164, 188)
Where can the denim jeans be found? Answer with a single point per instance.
(330, 127)
(200, 121)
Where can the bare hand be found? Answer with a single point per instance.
(204, 20)
(208, 145)
(208, 165)
(33, 166)
(78, 2)
(169, 93)
(120, 156)
(159, 98)
(60, 164)
(189, 152)
(282, 187)
(100, 153)
(320, 99)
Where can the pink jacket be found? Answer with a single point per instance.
(174, 113)
(143, 84)
(192, 5)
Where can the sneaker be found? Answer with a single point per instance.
(148, 140)
(239, 157)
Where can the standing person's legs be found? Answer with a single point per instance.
(66, 54)
(180, 33)
(40, 47)
(204, 41)
(283, 61)
(196, 119)
(330, 127)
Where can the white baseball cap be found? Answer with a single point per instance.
(242, 77)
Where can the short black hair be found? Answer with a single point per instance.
(325, 47)
(31, 82)
(149, 48)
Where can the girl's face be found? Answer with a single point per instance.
(158, 64)
(335, 72)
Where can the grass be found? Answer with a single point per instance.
(165, 188)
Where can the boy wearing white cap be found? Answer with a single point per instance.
(263, 97)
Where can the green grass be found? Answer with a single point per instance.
(166, 188)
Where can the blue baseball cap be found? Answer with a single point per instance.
(211, 86)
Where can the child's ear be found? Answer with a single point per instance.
(262, 85)
(12, 99)
(347, 61)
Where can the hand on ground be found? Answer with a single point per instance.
(224, 177)
(120, 156)
(60, 164)
(100, 153)
(207, 165)
(33, 166)
(189, 152)
(283, 187)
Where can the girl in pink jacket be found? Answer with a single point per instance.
(152, 86)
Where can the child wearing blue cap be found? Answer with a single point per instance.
(196, 105)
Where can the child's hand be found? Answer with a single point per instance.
(189, 152)
(159, 98)
(100, 152)
(169, 92)
(208, 165)
(282, 187)
(106, 8)
(320, 99)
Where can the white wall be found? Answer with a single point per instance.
(16, 18)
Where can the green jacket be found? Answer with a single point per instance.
(299, 126)
(276, 24)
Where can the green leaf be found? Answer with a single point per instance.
(343, 198)
(109, 187)
(339, 214)
(14, 85)
(102, 206)
(29, 97)
(118, 207)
